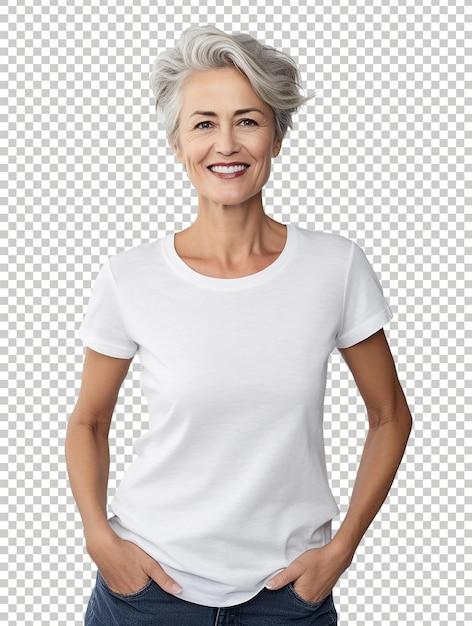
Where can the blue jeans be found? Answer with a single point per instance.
(152, 605)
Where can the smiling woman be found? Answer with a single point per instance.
(225, 514)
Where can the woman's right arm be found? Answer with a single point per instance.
(87, 451)
(124, 565)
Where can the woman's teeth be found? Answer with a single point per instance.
(227, 169)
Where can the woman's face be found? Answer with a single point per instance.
(226, 137)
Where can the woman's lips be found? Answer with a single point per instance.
(230, 170)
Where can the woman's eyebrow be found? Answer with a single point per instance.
(238, 112)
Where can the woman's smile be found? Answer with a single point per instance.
(228, 171)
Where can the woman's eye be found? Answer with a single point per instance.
(203, 125)
(248, 122)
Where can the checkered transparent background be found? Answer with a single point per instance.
(378, 156)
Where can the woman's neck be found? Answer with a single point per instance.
(231, 240)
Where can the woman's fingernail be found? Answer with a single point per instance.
(176, 588)
(270, 584)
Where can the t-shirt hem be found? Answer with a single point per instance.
(199, 592)
(365, 330)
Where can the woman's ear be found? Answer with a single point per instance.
(277, 147)
(177, 151)
(174, 142)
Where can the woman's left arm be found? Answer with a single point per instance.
(316, 571)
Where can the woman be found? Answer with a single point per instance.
(225, 515)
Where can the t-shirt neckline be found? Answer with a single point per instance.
(185, 271)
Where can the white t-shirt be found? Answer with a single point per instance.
(229, 483)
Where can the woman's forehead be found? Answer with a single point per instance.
(220, 89)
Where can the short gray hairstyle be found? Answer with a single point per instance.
(274, 75)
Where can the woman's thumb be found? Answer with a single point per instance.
(163, 580)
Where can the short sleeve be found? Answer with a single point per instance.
(103, 328)
(365, 310)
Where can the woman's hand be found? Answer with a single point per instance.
(124, 566)
(314, 573)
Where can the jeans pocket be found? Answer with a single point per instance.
(124, 596)
(310, 605)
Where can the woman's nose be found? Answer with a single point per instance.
(226, 142)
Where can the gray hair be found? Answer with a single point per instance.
(274, 75)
